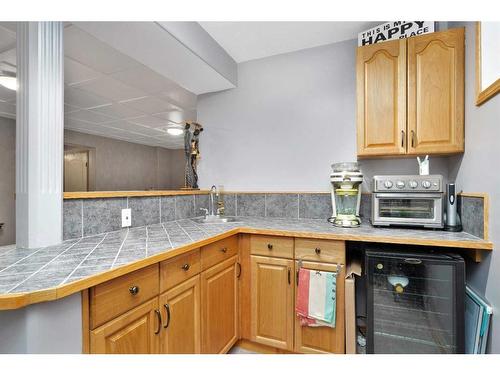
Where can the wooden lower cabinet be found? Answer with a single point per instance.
(323, 339)
(181, 318)
(219, 307)
(272, 301)
(134, 332)
(201, 314)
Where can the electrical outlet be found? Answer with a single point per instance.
(126, 217)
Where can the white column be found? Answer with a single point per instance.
(39, 133)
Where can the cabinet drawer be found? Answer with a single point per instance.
(114, 297)
(218, 251)
(280, 247)
(174, 271)
(320, 250)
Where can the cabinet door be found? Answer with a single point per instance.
(381, 99)
(219, 307)
(135, 332)
(272, 285)
(323, 339)
(181, 319)
(436, 92)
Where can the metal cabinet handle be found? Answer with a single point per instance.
(158, 315)
(413, 139)
(224, 250)
(269, 246)
(134, 289)
(413, 261)
(317, 251)
(402, 138)
(186, 267)
(167, 308)
(289, 275)
(239, 270)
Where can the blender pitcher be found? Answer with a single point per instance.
(346, 182)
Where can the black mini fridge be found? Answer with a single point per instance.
(415, 302)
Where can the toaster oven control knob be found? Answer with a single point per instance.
(426, 184)
(400, 184)
(413, 184)
(387, 184)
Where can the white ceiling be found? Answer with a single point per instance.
(172, 56)
(245, 41)
(108, 93)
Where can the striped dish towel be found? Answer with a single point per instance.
(316, 298)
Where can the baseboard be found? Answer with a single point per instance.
(260, 348)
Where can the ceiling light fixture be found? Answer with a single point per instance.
(8, 80)
(175, 131)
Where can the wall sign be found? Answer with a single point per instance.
(394, 30)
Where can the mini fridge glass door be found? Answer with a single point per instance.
(413, 305)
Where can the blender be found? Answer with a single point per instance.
(346, 180)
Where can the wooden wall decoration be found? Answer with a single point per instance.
(487, 61)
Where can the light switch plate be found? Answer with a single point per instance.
(126, 217)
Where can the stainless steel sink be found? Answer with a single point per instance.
(216, 219)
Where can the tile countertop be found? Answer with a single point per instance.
(24, 271)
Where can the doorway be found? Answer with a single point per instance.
(76, 171)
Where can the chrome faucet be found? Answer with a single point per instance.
(213, 199)
(213, 210)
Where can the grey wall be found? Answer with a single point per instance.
(121, 165)
(477, 171)
(7, 180)
(50, 327)
(294, 114)
(170, 168)
(290, 117)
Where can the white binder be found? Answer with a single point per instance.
(477, 322)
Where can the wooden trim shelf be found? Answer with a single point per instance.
(275, 192)
(478, 245)
(161, 193)
(132, 193)
(474, 195)
(154, 193)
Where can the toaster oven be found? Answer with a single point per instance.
(408, 201)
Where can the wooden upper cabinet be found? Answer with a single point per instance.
(381, 99)
(181, 320)
(410, 96)
(135, 332)
(436, 92)
(272, 303)
(219, 307)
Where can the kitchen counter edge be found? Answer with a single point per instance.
(18, 300)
